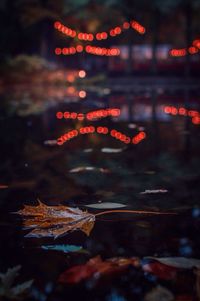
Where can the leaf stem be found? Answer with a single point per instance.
(134, 212)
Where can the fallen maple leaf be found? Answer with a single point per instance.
(54, 221)
(97, 267)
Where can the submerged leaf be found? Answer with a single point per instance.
(178, 262)
(63, 248)
(97, 267)
(54, 221)
(106, 205)
(147, 191)
(111, 150)
(7, 290)
(88, 168)
(88, 150)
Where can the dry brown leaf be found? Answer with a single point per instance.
(54, 221)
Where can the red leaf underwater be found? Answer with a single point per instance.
(96, 267)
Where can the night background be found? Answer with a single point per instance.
(100, 150)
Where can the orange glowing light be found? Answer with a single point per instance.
(71, 90)
(70, 78)
(82, 94)
(82, 74)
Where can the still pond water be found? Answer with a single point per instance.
(97, 172)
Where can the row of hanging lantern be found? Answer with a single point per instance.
(93, 115)
(83, 36)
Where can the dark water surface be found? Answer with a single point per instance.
(168, 159)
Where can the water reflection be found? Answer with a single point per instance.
(95, 172)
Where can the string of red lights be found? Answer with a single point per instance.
(101, 130)
(88, 49)
(93, 115)
(184, 51)
(83, 36)
(195, 115)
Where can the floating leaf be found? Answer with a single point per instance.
(88, 150)
(50, 142)
(178, 262)
(88, 168)
(132, 125)
(106, 205)
(54, 221)
(63, 248)
(96, 267)
(147, 191)
(7, 290)
(111, 150)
